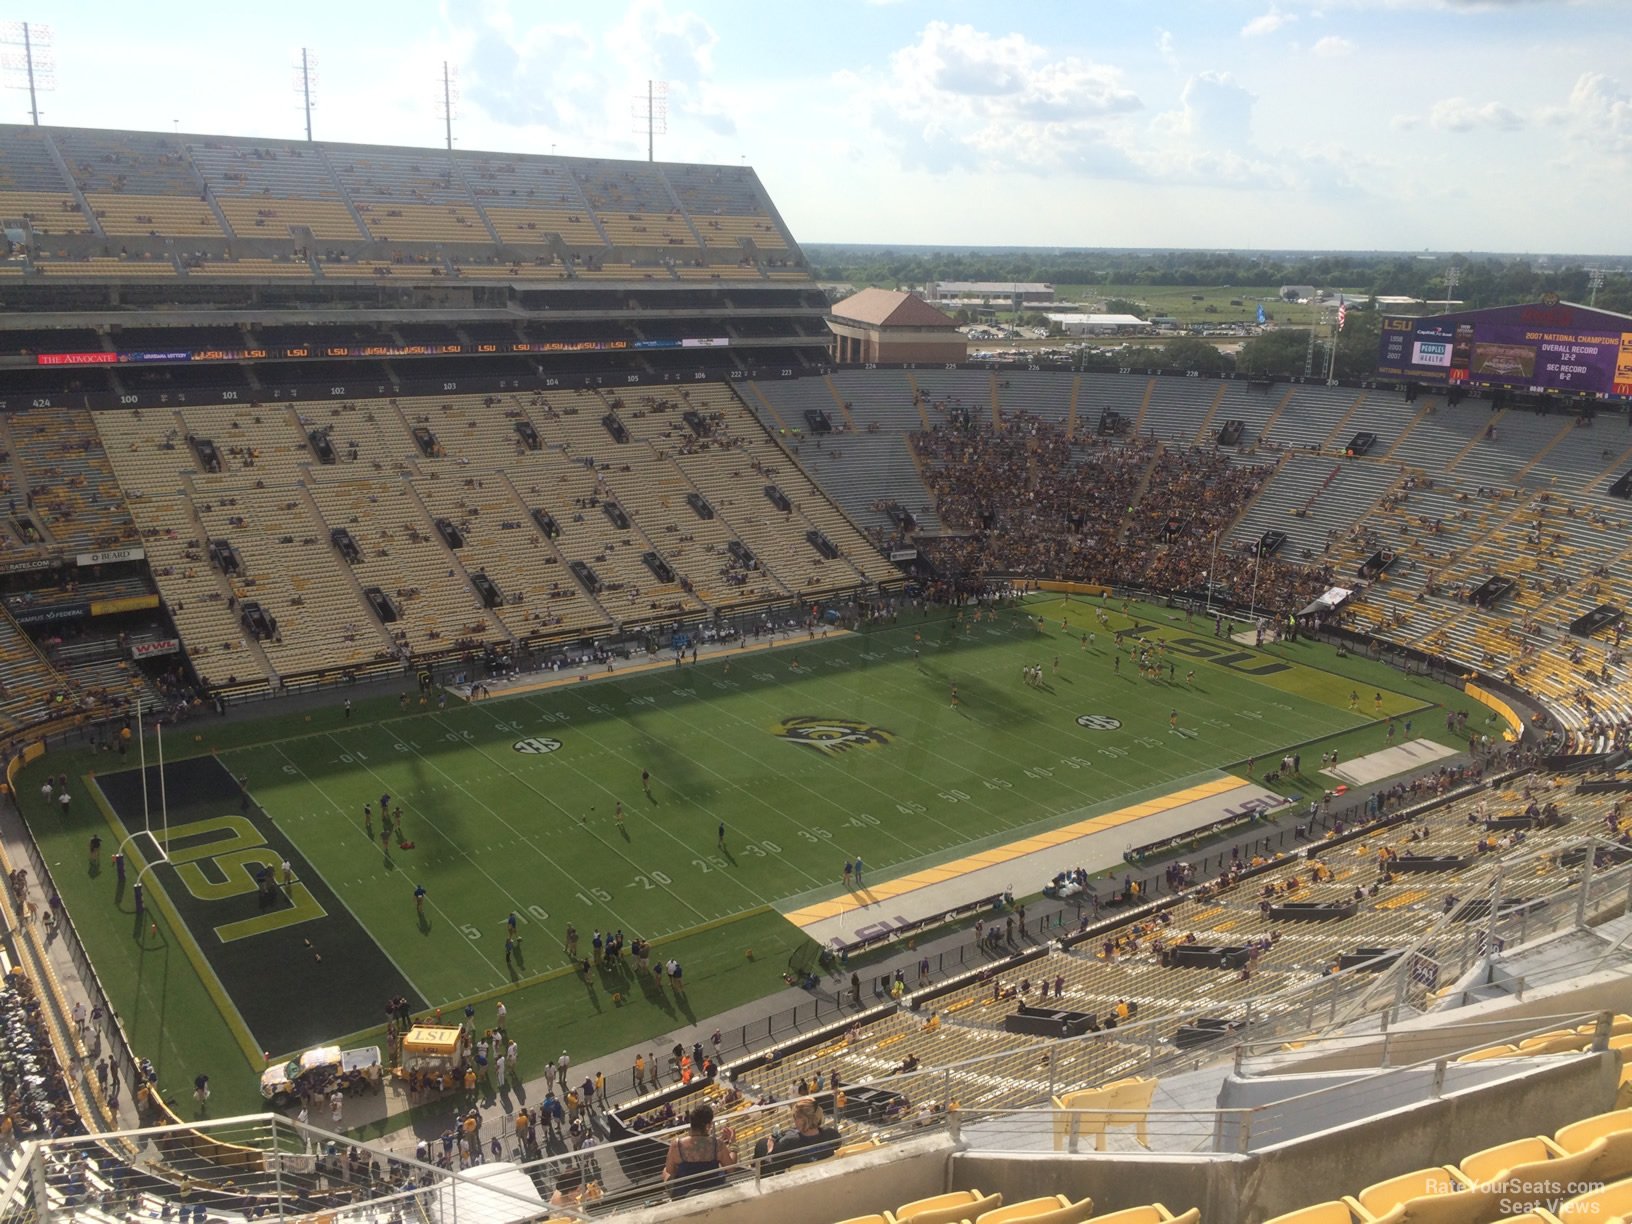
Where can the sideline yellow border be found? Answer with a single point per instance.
(997, 855)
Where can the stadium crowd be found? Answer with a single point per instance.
(1029, 501)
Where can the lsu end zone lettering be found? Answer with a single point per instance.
(219, 859)
(297, 939)
(1224, 654)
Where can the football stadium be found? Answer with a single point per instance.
(517, 706)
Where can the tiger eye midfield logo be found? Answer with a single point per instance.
(832, 736)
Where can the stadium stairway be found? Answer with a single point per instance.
(1334, 437)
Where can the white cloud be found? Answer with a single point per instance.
(958, 96)
(1460, 115)
(1215, 109)
(1267, 23)
(1333, 46)
(1164, 48)
(583, 82)
(1600, 110)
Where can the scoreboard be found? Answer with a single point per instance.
(1545, 347)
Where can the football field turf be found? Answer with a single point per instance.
(811, 754)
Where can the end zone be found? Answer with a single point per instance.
(1095, 843)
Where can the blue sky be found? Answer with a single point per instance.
(1355, 124)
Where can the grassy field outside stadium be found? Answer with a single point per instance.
(809, 755)
(1210, 303)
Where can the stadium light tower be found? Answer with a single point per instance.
(450, 100)
(1453, 275)
(305, 81)
(652, 113)
(1595, 282)
(27, 61)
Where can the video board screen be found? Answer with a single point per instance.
(1543, 347)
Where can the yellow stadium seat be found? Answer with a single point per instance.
(1055, 1209)
(1547, 1036)
(1153, 1213)
(1600, 1206)
(1337, 1211)
(863, 1145)
(1495, 1051)
(1579, 1135)
(1382, 1197)
(1619, 1026)
(1490, 1163)
(951, 1208)
(1538, 1216)
(1549, 1180)
(883, 1218)
(1555, 1043)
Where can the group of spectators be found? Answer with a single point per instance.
(38, 1101)
(1026, 499)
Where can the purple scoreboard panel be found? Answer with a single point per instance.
(1544, 347)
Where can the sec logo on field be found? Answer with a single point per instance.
(535, 745)
(1098, 722)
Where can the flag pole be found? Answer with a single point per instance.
(1337, 328)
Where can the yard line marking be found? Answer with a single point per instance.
(583, 823)
(310, 781)
(515, 904)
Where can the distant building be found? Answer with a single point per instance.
(1097, 324)
(994, 293)
(1299, 293)
(886, 325)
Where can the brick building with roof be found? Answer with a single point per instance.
(887, 325)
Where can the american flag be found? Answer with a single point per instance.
(1342, 312)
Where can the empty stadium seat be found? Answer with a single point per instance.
(1601, 1206)
(1439, 1193)
(1495, 1051)
(1335, 1211)
(857, 1148)
(1123, 1103)
(1577, 1136)
(950, 1208)
(1554, 1043)
(1491, 1163)
(1606, 1159)
(1055, 1209)
(1152, 1213)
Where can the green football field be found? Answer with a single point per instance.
(810, 754)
